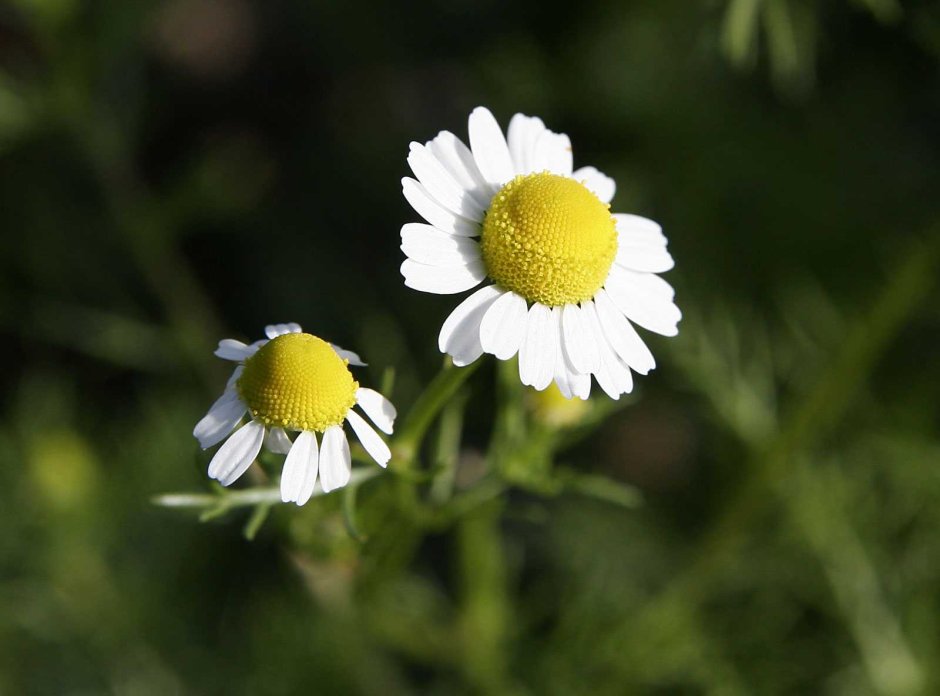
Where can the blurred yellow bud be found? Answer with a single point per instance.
(63, 468)
(551, 408)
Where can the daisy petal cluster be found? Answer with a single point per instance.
(566, 280)
(293, 382)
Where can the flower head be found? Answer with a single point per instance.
(569, 278)
(293, 382)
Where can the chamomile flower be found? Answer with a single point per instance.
(569, 279)
(293, 382)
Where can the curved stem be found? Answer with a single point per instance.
(245, 497)
(438, 393)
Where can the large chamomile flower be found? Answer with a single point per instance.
(568, 278)
(293, 382)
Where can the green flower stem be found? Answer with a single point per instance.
(247, 497)
(241, 498)
(438, 393)
(509, 427)
(485, 610)
(466, 502)
(448, 450)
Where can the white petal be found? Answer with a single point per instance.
(537, 352)
(428, 245)
(460, 334)
(230, 349)
(612, 374)
(458, 161)
(349, 355)
(489, 147)
(310, 477)
(633, 229)
(598, 182)
(647, 285)
(523, 134)
(441, 185)
(631, 292)
(300, 469)
(237, 454)
(594, 332)
(572, 384)
(335, 462)
(580, 385)
(562, 380)
(276, 440)
(275, 330)
(432, 211)
(221, 419)
(503, 326)
(373, 444)
(553, 153)
(623, 338)
(569, 381)
(442, 281)
(380, 410)
(644, 258)
(580, 345)
(233, 380)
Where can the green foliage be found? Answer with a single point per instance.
(760, 517)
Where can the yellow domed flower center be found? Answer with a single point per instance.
(549, 239)
(298, 381)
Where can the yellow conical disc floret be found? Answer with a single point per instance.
(298, 381)
(549, 239)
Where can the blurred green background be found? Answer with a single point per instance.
(172, 173)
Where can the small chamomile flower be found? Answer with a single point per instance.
(293, 382)
(569, 278)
